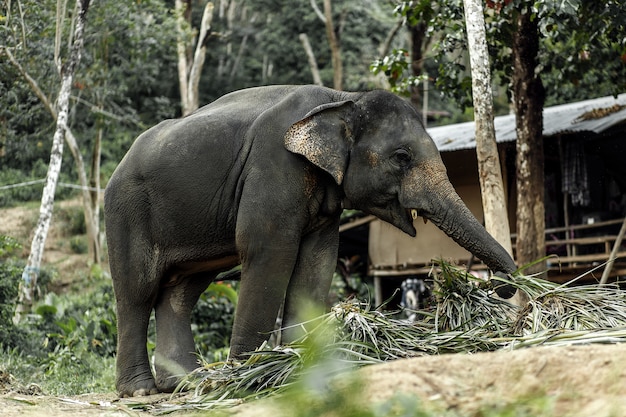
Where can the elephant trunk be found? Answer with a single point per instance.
(451, 215)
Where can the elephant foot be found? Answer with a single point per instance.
(143, 392)
(167, 383)
(142, 389)
(170, 373)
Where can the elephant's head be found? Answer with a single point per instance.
(377, 149)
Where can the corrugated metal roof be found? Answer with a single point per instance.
(596, 115)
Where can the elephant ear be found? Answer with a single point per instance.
(322, 137)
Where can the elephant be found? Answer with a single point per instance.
(259, 178)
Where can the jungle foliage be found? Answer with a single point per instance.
(582, 52)
(128, 78)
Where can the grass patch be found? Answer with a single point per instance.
(89, 373)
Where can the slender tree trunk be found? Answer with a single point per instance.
(418, 38)
(242, 48)
(181, 8)
(90, 205)
(311, 57)
(94, 194)
(31, 271)
(489, 171)
(383, 50)
(190, 67)
(335, 48)
(528, 96)
(91, 217)
(198, 58)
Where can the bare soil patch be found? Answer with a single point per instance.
(19, 223)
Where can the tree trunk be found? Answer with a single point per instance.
(528, 96)
(181, 8)
(311, 57)
(489, 171)
(90, 203)
(335, 48)
(190, 67)
(242, 48)
(91, 218)
(31, 271)
(418, 37)
(199, 56)
(94, 194)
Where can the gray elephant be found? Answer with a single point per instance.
(259, 178)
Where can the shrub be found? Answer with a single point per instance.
(212, 317)
(72, 220)
(28, 191)
(79, 324)
(78, 244)
(25, 337)
(10, 276)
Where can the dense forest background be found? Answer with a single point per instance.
(128, 78)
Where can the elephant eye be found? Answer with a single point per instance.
(402, 157)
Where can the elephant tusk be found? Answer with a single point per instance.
(414, 214)
(425, 220)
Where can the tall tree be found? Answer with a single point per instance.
(335, 47)
(31, 271)
(90, 189)
(489, 171)
(332, 35)
(190, 64)
(528, 99)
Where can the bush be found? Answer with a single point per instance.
(79, 324)
(212, 317)
(78, 244)
(11, 196)
(72, 220)
(29, 192)
(10, 276)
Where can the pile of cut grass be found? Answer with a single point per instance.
(465, 318)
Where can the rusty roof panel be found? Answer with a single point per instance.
(595, 115)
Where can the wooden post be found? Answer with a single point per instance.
(616, 246)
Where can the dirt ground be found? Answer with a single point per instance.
(19, 223)
(578, 381)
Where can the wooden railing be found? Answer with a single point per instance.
(573, 245)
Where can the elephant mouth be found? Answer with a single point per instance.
(413, 214)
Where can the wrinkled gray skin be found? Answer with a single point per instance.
(260, 177)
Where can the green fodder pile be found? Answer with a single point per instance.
(465, 317)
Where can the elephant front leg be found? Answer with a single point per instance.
(267, 265)
(310, 282)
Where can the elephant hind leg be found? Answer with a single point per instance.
(134, 376)
(175, 348)
(134, 307)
